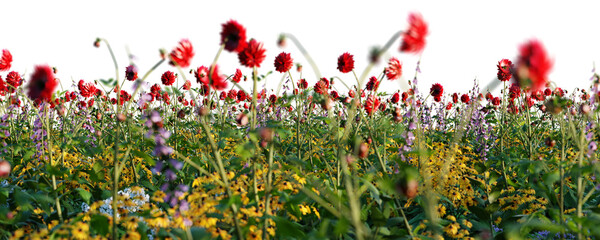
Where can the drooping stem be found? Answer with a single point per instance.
(113, 58)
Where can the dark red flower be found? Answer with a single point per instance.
(41, 84)
(413, 39)
(222, 95)
(395, 98)
(272, 98)
(548, 92)
(533, 66)
(86, 89)
(404, 96)
(514, 91)
(233, 36)
(394, 69)
(155, 89)
(237, 77)
(504, 68)
(496, 101)
(465, 98)
(90, 102)
(182, 54)
(232, 94)
(187, 85)
(241, 95)
(351, 93)
(449, 106)
(322, 86)
(373, 84)
(455, 97)
(5, 60)
(557, 91)
(436, 90)
(283, 62)
(253, 55)
(345, 63)
(14, 80)
(131, 72)
(302, 83)
(168, 78)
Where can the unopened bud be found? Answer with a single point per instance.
(121, 117)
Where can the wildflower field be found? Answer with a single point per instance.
(195, 155)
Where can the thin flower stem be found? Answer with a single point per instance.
(268, 190)
(312, 63)
(113, 58)
(56, 199)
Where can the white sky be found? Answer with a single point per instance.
(466, 40)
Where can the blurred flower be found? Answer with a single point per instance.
(413, 40)
(131, 72)
(187, 85)
(42, 84)
(372, 84)
(394, 69)
(253, 55)
(218, 81)
(283, 62)
(436, 90)
(345, 63)
(14, 80)
(233, 36)
(182, 54)
(237, 76)
(201, 75)
(5, 60)
(533, 66)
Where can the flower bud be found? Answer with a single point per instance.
(121, 117)
(241, 119)
(363, 150)
(4, 169)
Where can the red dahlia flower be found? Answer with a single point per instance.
(86, 89)
(322, 86)
(253, 55)
(514, 91)
(504, 68)
(182, 54)
(168, 78)
(455, 97)
(5, 60)
(42, 84)
(372, 104)
(394, 69)
(395, 98)
(413, 39)
(533, 66)
(187, 85)
(449, 106)
(346, 63)
(14, 80)
(465, 98)
(233, 36)
(237, 77)
(155, 89)
(131, 72)
(302, 83)
(3, 89)
(436, 90)
(283, 62)
(241, 95)
(373, 84)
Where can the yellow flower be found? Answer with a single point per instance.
(451, 218)
(159, 196)
(255, 233)
(316, 212)
(467, 223)
(132, 235)
(441, 210)
(80, 231)
(131, 223)
(451, 229)
(304, 209)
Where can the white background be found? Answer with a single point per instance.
(466, 40)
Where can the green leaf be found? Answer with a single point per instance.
(99, 223)
(144, 156)
(84, 194)
(287, 228)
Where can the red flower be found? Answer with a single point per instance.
(548, 92)
(322, 86)
(436, 90)
(241, 95)
(3, 89)
(394, 69)
(283, 62)
(396, 98)
(42, 84)
(514, 91)
(455, 97)
(372, 104)
(6, 60)
(155, 89)
(232, 94)
(201, 75)
(465, 98)
(131, 72)
(373, 84)
(187, 85)
(449, 106)
(237, 77)
(504, 68)
(86, 89)
(253, 55)
(233, 36)
(496, 101)
(168, 78)
(345, 63)
(218, 81)
(413, 39)
(533, 66)
(404, 96)
(302, 83)
(557, 91)
(334, 95)
(273, 98)
(182, 54)
(14, 80)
